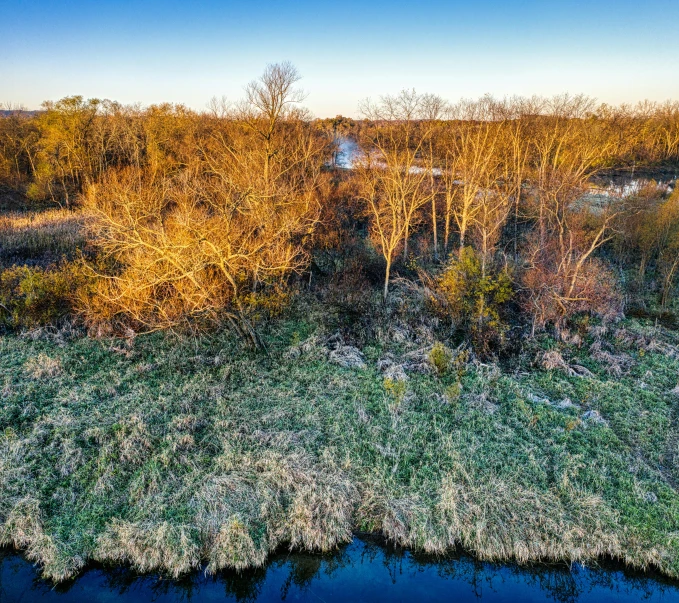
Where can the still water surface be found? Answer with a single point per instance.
(361, 571)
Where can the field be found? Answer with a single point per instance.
(166, 453)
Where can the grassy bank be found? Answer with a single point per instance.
(166, 453)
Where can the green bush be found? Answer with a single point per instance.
(33, 296)
(441, 357)
(472, 295)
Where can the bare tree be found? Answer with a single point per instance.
(563, 277)
(395, 183)
(473, 152)
(268, 101)
(433, 110)
(194, 245)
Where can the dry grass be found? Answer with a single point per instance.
(41, 237)
(43, 367)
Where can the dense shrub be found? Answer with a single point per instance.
(34, 296)
(472, 295)
(553, 292)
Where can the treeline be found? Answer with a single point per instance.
(197, 218)
(50, 154)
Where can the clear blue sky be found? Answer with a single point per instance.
(187, 52)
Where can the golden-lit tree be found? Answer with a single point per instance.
(395, 181)
(563, 277)
(194, 244)
(434, 109)
(473, 163)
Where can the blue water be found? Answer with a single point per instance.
(361, 571)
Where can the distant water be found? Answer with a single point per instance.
(630, 183)
(620, 185)
(347, 153)
(361, 571)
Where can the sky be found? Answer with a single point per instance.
(188, 52)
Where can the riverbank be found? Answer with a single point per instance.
(364, 570)
(167, 453)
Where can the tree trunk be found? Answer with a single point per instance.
(434, 228)
(386, 279)
(405, 244)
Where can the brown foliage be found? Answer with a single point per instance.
(203, 243)
(190, 247)
(202, 216)
(556, 287)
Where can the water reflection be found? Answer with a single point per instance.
(361, 571)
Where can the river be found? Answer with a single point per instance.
(361, 571)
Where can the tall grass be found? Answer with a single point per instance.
(40, 237)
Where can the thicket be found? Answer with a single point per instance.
(191, 220)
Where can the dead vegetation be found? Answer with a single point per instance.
(195, 220)
(42, 237)
(43, 367)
